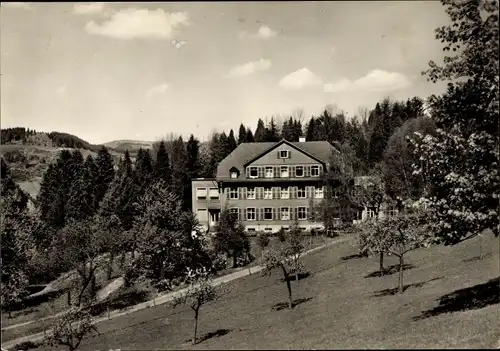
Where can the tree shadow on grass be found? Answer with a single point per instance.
(352, 257)
(294, 277)
(394, 291)
(476, 258)
(123, 300)
(214, 334)
(389, 270)
(283, 305)
(471, 298)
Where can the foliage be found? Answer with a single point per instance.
(70, 329)
(397, 236)
(288, 258)
(200, 292)
(230, 238)
(461, 161)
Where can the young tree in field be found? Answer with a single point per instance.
(79, 245)
(288, 259)
(230, 237)
(70, 329)
(398, 236)
(462, 161)
(200, 292)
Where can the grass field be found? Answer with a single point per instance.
(58, 304)
(451, 301)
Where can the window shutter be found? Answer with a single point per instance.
(244, 214)
(245, 192)
(278, 193)
(239, 214)
(295, 213)
(276, 172)
(289, 153)
(278, 213)
(240, 193)
(261, 217)
(260, 172)
(307, 171)
(290, 192)
(278, 154)
(275, 215)
(307, 213)
(292, 171)
(247, 171)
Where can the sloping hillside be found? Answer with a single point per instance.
(131, 145)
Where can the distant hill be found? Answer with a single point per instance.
(131, 145)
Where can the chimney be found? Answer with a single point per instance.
(302, 139)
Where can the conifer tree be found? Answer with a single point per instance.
(250, 138)
(260, 132)
(193, 162)
(231, 142)
(162, 165)
(242, 134)
(82, 193)
(104, 173)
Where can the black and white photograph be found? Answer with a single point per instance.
(249, 175)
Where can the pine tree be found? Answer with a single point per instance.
(162, 165)
(143, 168)
(250, 138)
(260, 132)
(231, 142)
(242, 134)
(271, 132)
(82, 201)
(287, 131)
(104, 173)
(310, 133)
(193, 162)
(180, 183)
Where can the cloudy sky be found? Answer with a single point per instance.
(140, 71)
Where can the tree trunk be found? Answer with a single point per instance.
(234, 259)
(68, 296)
(122, 259)
(401, 265)
(110, 265)
(196, 314)
(289, 286)
(381, 262)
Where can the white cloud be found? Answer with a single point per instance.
(157, 90)
(299, 79)
(88, 9)
(375, 80)
(135, 23)
(264, 32)
(17, 5)
(178, 43)
(249, 68)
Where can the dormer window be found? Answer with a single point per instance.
(234, 175)
(253, 172)
(284, 154)
(234, 172)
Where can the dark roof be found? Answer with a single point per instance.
(322, 150)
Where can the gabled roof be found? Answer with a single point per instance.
(246, 152)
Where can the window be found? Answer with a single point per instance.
(250, 214)
(299, 171)
(284, 154)
(253, 172)
(370, 213)
(268, 213)
(318, 192)
(202, 215)
(201, 193)
(234, 175)
(314, 171)
(284, 171)
(335, 194)
(285, 193)
(285, 213)
(269, 172)
(233, 193)
(251, 193)
(268, 229)
(302, 213)
(213, 193)
(268, 193)
(301, 192)
(250, 229)
(234, 212)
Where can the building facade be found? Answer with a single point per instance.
(267, 185)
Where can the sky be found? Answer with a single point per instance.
(108, 71)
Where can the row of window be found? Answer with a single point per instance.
(266, 193)
(269, 213)
(281, 171)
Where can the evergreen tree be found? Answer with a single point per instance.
(9, 188)
(231, 142)
(288, 131)
(250, 138)
(242, 134)
(310, 133)
(82, 201)
(143, 168)
(180, 182)
(104, 167)
(271, 132)
(260, 132)
(193, 162)
(162, 165)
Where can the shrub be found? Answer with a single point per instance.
(263, 240)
